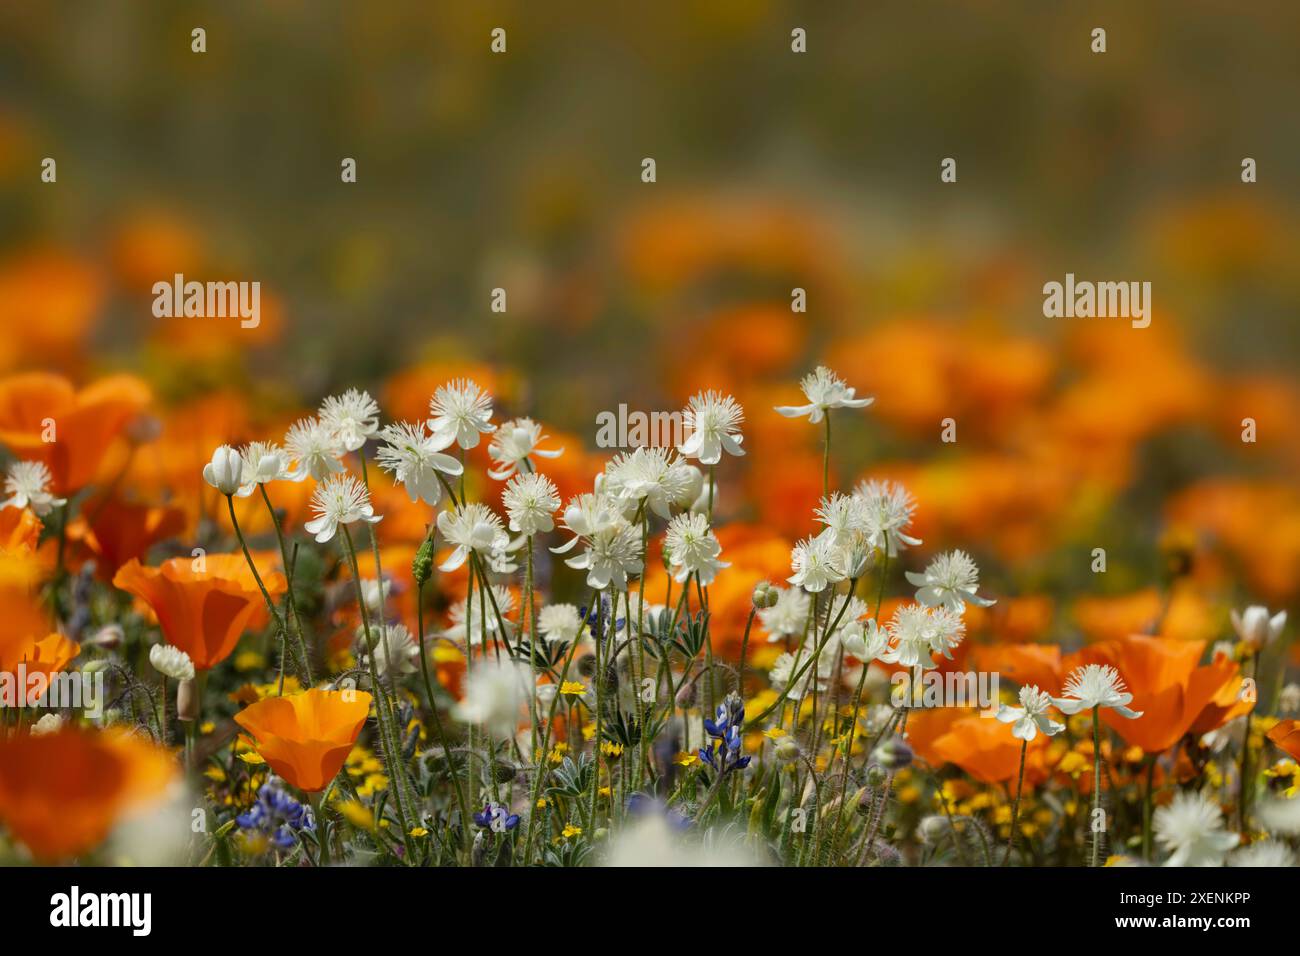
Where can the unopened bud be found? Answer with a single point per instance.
(765, 595)
(894, 754)
(108, 637)
(187, 700)
(422, 565)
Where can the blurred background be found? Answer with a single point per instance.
(775, 170)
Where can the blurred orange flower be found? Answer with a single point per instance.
(1286, 734)
(44, 418)
(202, 612)
(20, 530)
(306, 737)
(115, 531)
(61, 793)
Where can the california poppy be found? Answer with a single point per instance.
(20, 530)
(27, 637)
(44, 418)
(203, 612)
(1174, 694)
(61, 793)
(306, 737)
(115, 531)
(1286, 734)
(987, 751)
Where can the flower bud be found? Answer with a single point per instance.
(225, 471)
(765, 595)
(686, 696)
(187, 700)
(876, 776)
(787, 751)
(109, 637)
(422, 566)
(894, 754)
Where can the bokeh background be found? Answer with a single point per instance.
(775, 170)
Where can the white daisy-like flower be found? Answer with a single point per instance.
(1095, 685)
(339, 499)
(516, 442)
(375, 593)
(611, 554)
(27, 483)
(461, 411)
(1263, 853)
(460, 615)
(171, 662)
(588, 514)
(266, 461)
(650, 474)
(911, 637)
(788, 617)
(887, 514)
(531, 501)
(396, 649)
(353, 418)
(816, 563)
(48, 724)
(947, 630)
(824, 390)
(472, 528)
(1280, 815)
(1031, 716)
(495, 695)
(226, 472)
(713, 422)
(864, 640)
(844, 520)
(692, 548)
(315, 449)
(1255, 628)
(1191, 828)
(950, 580)
(414, 457)
(560, 622)
(786, 666)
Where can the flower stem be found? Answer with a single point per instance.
(1015, 807)
(1096, 785)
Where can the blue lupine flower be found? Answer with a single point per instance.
(489, 813)
(722, 752)
(277, 815)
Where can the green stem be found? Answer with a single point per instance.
(1015, 807)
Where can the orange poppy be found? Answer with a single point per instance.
(27, 636)
(44, 418)
(306, 737)
(1038, 664)
(1175, 695)
(20, 530)
(1286, 734)
(115, 531)
(61, 793)
(203, 612)
(986, 749)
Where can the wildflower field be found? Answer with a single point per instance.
(681, 525)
